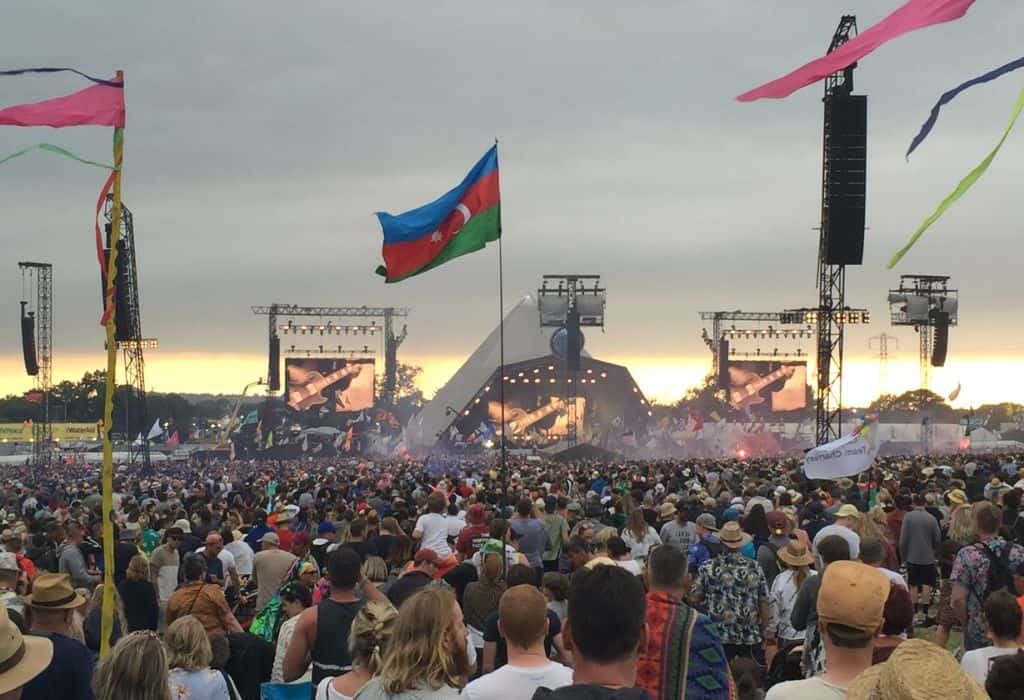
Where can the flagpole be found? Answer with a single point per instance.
(501, 358)
(107, 616)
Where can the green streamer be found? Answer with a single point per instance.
(59, 151)
(964, 185)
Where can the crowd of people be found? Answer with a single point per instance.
(340, 579)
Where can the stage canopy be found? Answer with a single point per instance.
(610, 410)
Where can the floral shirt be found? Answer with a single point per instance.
(731, 588)
(970, 570)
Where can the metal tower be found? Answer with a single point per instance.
(883, 340)
(41, 281)
(831, 278)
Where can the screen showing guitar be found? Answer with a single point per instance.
(762, 386)
(333, 385)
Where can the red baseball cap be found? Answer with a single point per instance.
(427, 555)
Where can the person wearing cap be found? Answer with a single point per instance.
(240, 551)
(708, 545)
(683, 656)
(426, 564)
(126, 548)
(779, 528)
(69, 675)
(785, 587)
(734, 592)
(22, 658)
(258, 530)
(920, 538)
(164, 563)
(678, 531)
(851, 604)
(843, 526)
(474, 534)
(270, 567)
(283, 528)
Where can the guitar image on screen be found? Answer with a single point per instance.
(746, 385)
(518, 420)
(305, 390)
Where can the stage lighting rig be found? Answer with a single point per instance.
(926, 303)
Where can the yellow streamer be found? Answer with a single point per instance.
(964, 185)
(107, 617)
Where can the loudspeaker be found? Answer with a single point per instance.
(28, 341)
(122, 308)
(274, 366)
(941, 338)
(846, 178)
(723, 364)
(573, 348)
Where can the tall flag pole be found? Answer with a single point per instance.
(501, 348)
(107, 618)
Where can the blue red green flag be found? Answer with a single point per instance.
(463, 220)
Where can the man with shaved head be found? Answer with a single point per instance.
(523, 621)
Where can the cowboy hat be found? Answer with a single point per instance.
(732, 536)
(667, 510)
(916, 669)
(957, 497)
(847, 510)
(795, 554)
(54, 592)
(21, 658)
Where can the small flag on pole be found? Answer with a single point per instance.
(156, 431)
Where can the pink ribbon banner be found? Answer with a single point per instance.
(913, 15)
(98, 105)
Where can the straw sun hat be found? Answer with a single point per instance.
(796, 554)
(916, 669)
(732, 536)
(21, 658)
(54, 592)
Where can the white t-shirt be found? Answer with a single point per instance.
(630, 565)
(893, 576)
(807, 689)
(436, 529)
(976, 663)
(326, 691)
(517, 682)
(243, 555)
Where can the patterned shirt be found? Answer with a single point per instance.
(970, 570)
(732, 587)
(683, 659)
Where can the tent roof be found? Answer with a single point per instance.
(524, 340)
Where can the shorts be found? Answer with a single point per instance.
(922, 575)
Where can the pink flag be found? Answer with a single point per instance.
(172, 441)
(99, 105)
(915, 14)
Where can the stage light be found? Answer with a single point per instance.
(521, 374)
(742, 454)
(865, 317)
(537, 380)
(465, 413)
(551, 368)
(650, 413)
(476, 401)
(552, 380)
(635, 390)
(511, 381)
(505, 377)
(489, 444)
(536, 371)
(604, 375)
(487, 388)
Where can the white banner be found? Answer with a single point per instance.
(847, 456)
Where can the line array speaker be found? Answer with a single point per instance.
(846, 177)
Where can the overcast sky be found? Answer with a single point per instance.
(262, 137)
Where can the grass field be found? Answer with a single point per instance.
(955, 637)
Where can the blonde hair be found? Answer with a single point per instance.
(96, 602)
(371, 631)
(188, 647)
(135, 668)
(375, 569)
(138, 569)
(416, 655)
(962, 528)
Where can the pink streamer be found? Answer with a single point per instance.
(914, 15)
(99, 105)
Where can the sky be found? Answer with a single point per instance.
(260, 140)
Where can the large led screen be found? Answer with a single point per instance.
(764, 386)
(336, 385)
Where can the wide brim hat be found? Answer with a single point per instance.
(957, 497)
(22, 658)
(732, 536)
(916, 669)
(54, 592)
(795, 554)
(667, 510)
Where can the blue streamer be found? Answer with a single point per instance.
(100, 81)
(948, 97)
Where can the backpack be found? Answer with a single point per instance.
(999, 575)
(714, 548)
(775, 558)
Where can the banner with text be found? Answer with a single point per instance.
(847, 456)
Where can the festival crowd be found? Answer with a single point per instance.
(341, 579)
